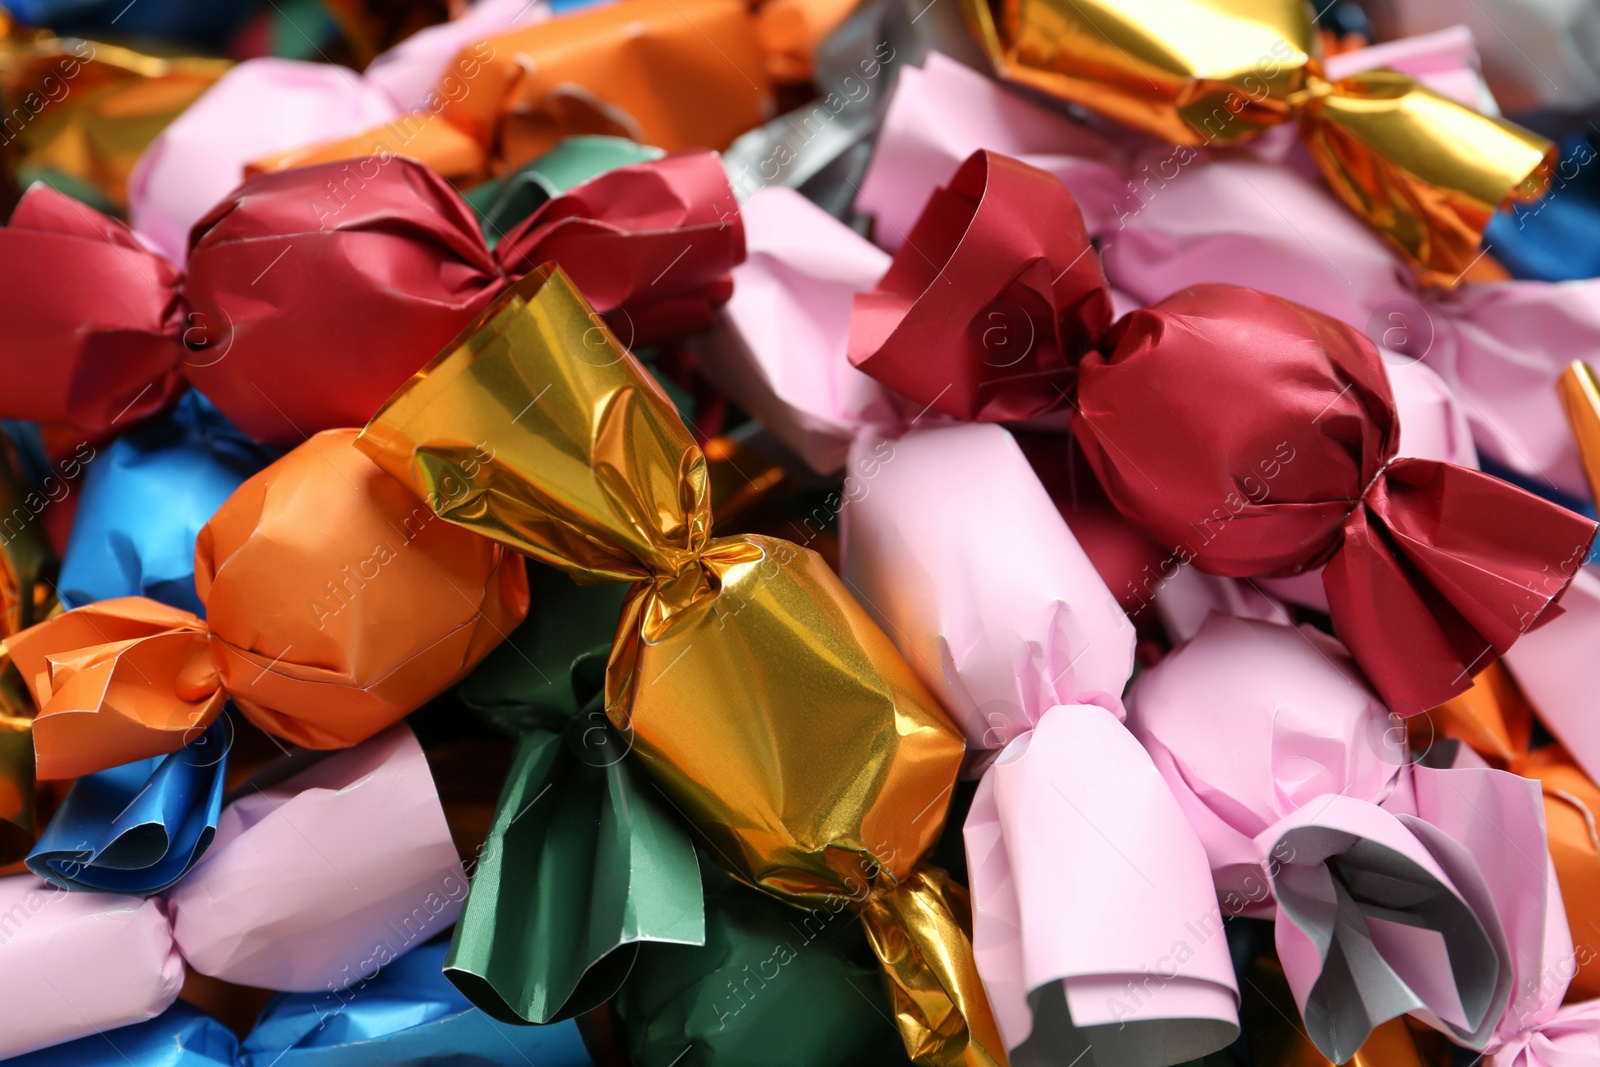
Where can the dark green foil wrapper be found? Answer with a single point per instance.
(773, 985)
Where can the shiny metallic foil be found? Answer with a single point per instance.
(776, 716)
(1426, 172)
(86, 110)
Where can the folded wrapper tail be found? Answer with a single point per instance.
(294, 569)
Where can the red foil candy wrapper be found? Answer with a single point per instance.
(1247, 434)
(312, 294)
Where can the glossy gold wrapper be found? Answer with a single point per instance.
(1580, 397)
(1426, 172)
(774, 714)
(913, 929)
(87, 110)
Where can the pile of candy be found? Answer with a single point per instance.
(800, 533)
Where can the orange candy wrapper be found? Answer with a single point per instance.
(336, 606)
(677, 74)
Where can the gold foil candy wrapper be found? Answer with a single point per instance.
(1426, 172)
(93, 108)
(1580, 398)
(940, 1006)
(775, 715)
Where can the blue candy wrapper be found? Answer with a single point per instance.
(145, 499)
(140, 827)
(1557, 238)
(407, 1015)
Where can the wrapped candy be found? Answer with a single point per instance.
(138, 828)
(314, 882)
(1168, 218)
(1426, 172)
(334, 608)
(996, 309)
(382, 263)
(823, 783)
(1084, 872)
(1395, 888)
(145, 501)
(680, 74)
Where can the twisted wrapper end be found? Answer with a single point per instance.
(921, 933)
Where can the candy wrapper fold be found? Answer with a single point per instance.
(292, 633)
(140, 827)
(567, 889)
(594, 474)
(1422, 169)
(1427, 570)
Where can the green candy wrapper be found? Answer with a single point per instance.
(584, 859)
(773, 985)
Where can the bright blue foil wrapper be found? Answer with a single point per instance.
(181, 1036)
(407, 1015)
(140, 827)
(145, 499)
(1557, 238)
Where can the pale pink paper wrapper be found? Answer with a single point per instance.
(1083, 872)
(311, 884)
(1265, 732)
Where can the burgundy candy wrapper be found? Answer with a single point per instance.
(381, 265)
(1248, 434)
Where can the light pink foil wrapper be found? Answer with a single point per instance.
(76, 963)
(311, 884)
(1283, 759)
(1557, 668)
(780, 349)
(1090, 893)
(265, 106)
